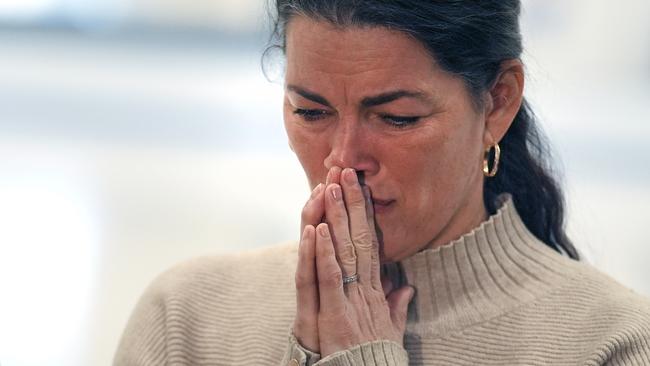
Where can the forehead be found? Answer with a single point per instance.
(374, 54)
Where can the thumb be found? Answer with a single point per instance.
(398, 302)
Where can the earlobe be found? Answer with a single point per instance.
(488, 138)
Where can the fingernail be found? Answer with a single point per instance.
(323, 230)
(331, 173)
(316, 190)
(336, 193)
(350, 176)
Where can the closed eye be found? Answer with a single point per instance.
(310, 114)
(400, 121)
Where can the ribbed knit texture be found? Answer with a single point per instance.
(496, 296)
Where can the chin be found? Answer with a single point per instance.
(394, 247)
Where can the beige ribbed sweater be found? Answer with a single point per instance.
(496, 296)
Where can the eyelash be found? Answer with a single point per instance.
(312, 115)
(398, 121)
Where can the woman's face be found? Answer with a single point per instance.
(374, 100)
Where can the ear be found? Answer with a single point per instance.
(506, 96)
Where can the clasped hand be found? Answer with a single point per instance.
(332, 316)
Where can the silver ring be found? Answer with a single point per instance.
(350, 279)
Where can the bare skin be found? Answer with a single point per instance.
(373, 100)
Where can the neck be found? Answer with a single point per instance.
(490, 270)
(470, 215)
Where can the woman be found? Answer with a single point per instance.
(434, 232)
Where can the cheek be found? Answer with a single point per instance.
(436, 173)
(418, 167)
(451, 168)
(429, 176)
(310, 150)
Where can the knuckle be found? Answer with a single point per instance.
(349, 265)
(348, 261)
(363, 239)
(303, 323)
(348, 253)
(357, 201)
(303, 281)
(307, 212)
(332, 279)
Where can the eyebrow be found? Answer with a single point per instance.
(367, 102)
(390, 97)
(309, 95)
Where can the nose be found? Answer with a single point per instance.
(351, 147)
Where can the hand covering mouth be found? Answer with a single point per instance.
(375, 201)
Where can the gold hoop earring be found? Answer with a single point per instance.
(495, 166)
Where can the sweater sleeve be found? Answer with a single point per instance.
(144, 340)
(629, 350)
(383, 352)
(295, 351)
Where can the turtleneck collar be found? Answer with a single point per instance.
(483, 274)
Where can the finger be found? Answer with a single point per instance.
(306, 323)
(359, 231)
(330, 281)
(375, 265)
(333, 176)
(398, 302)
(314, 209)
(337, 218)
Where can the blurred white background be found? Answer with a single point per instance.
(138, 133)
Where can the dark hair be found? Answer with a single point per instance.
(469, 39)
